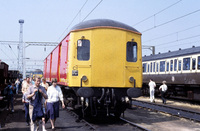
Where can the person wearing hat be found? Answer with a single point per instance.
(163, 89)
(55, 94)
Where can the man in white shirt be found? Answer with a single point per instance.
(152, 86)
(163, 89)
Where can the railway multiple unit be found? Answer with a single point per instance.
(99, 66)
(181, 70)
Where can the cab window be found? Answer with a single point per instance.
(131, 52)
(83, 50)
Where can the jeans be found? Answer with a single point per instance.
(27, 117)
(34, 126)
(10, 101)
(163, 97)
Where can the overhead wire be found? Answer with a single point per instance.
(178, 40)
(171, 20)
(172, 33)
(157, 13)
(92, 10)
(12, 50)
(73, 19)
(184, 43)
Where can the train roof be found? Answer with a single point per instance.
(184, 52)
(103, 23)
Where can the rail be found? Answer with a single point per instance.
(192, 115)
(91, 127)
(135, 125)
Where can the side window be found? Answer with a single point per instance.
(162, 66)
(179, 65)
(145, 67)
(83, 50)
(167, 66)
(131, 52)
(157, 67)
(175, 64)
(193, 63)
(151, 67)
(171, 65)
(148, 68)
(186, 63)
(154, 66)
(198, 66)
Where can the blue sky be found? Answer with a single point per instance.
(47, 21)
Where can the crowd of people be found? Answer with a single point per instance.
(41, 101)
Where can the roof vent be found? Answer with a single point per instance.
(179, 48)
(159, 53)
(169, 51)
(193, 46)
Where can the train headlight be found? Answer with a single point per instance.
(84, 78)
(131, 79)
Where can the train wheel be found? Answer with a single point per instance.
(117, 114)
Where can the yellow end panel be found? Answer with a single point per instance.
(108, 58)
(134, 69)
(107, 66)
(82, 67)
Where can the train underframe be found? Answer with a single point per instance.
(93, 102)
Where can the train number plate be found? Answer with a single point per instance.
(74, 72)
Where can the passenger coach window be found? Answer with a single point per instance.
(175, 64)
(144, 67)
(186, 63)
(131, 52)
(154, 66)
(162, 66)
(167, 66)
(179, 65)
(194, 63)
(151, 67)
(198, 62)
(157, 67)
(83, 50)
(171, 65)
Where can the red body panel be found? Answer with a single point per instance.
(45, 68)
(55, 65)
(63, 58)
(48, 68)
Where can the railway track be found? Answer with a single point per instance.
(116, 126)
(192, 115)
(90, 126)
(133, 124)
